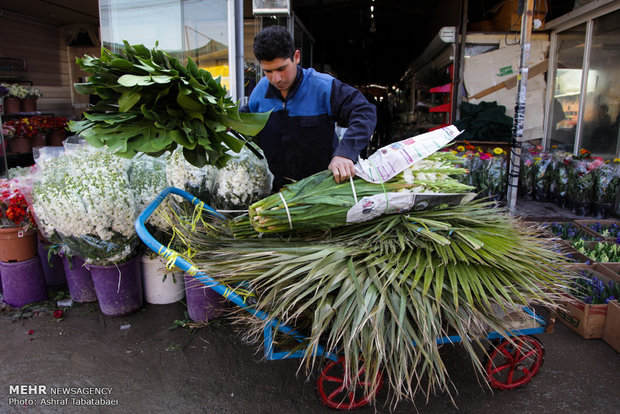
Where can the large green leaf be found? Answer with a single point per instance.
(128, 99)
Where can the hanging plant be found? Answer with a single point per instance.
(151, 103)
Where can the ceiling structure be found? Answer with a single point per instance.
(359, 44)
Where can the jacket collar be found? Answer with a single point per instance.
(273, 92)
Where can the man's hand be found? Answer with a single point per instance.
(342, 167)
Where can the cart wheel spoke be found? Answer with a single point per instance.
(511, 374)
(526, 372)
(333, 379)
(351, 397)
(528, 354)
(506, 353)
(500, 368)
(335, 393)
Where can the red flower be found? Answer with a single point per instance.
(30, 332)
(58, 314)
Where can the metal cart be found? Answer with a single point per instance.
(511, 364)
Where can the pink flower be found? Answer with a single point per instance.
(485, 156)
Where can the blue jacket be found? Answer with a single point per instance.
(299, 138)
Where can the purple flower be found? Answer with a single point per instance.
(609, 299)
(587, 299)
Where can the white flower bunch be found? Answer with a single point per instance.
(17, 91)
(196, 181)
(434, 175)
(84, 197)
(244, 180)
(147, 177)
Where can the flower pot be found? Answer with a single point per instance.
(38, 140)
(79, 280)
(203, 304)
(55, 138)
(23, 282)
(118, 287)
(17, 245)
(157, 290)
(20, 144)
(12, 105)
(29, 105)
(53, 269)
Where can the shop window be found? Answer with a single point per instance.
(194, 28)
(584, 111)
(567, 87)
(602, 104)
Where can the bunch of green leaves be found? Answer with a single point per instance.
(152, 103)
(385, 291)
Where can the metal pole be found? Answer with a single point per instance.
(5, 173)
(459, 63)
(239, 54)
(517, 126)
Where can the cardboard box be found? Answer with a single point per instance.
(611, 330)
(586, 320)
(492, 68)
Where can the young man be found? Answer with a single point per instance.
(299, 138)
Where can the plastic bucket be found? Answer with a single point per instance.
(54, 273)
(79, 280)
(157, 290)
(118, 287)
(23, 282)
(203, 304)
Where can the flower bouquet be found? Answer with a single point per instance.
(196, 181)
(244, 180)
(605, 190)
(85, 199)
(543, 176)
(580, 186)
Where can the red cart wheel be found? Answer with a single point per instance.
(513, 365)
(335, 393)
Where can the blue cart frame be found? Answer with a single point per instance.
(273, 324)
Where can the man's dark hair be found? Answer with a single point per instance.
(273, 42)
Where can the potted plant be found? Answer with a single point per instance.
(29, 102)
(12, 100)
(22, 276)
(17, 234)
(84, 197)
(24, 133)
(58, 132)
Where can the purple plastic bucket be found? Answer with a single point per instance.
(118, 287)
(54, 273)
(203, 304)
(79, 280)
(23, 282)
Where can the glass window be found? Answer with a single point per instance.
(141, 22)
(205, 36)
(567, 87)
(195, 28)
(602, 104)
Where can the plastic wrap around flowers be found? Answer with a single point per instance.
(244, 180)
(147, 177)
(84, 200)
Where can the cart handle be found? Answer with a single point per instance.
(191, 270)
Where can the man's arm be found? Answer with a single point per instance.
(353, 111)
